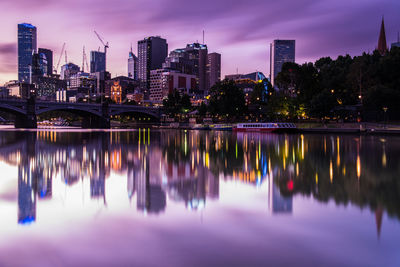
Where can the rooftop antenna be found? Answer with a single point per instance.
(66, 57)
(203, 36)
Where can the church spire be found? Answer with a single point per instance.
(382, 46)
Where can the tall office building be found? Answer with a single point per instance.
(132, 66)
(282, 51)
(152, 52)
(97, 61)
(213, 69)
(46, 60)
(27, 46)
(190, 60)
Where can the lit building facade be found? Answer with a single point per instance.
(162, 82)
(116, 92)
(213, 69)
(46, 61)
(27, 46)
(68, 70)
(282, 51)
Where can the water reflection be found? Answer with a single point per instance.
(187, 167)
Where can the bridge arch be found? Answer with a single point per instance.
(15, 110)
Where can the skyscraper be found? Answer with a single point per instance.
(46, 56)
(382, 46)
(282, 51)
(190, 60)
(213, 69)
(152, 52)
(132, 65)
(27, 46)
(97, 61)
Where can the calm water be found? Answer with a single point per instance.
(192, 198)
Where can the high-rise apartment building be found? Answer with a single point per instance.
(213, 69)
(97, 61)
(282, 51)
(152, 52)
(46, 61)
(27, 46)
(132, 66)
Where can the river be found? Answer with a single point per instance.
(198, 198)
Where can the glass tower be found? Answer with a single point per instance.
(152, 52)
(97, 61)
(27, 46)
(282, 51)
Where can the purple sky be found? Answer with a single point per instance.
(239, 29)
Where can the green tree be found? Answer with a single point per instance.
(227, 99)
(176, 103)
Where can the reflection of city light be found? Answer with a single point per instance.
(331, 171)
(297, 169)
(316, 178)
(384, 160)
(338, 145)
(302, 146)
(236, 149)
(344, 171)
(358, 166)
(286, 148)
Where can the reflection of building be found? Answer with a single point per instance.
(97, 186)
(282, 51)
(27, 45)
(26, 194)
(150, 197)
(277, 202)
(45, 185)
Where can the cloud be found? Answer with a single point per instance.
(8, 56)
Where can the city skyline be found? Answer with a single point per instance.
(318, 30)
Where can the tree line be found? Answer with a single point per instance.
(365, 87)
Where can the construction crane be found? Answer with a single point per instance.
(106, 46)
(59, 59)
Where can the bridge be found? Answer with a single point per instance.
(94, 116)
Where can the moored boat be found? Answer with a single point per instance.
(221, 127)
(265, 127)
